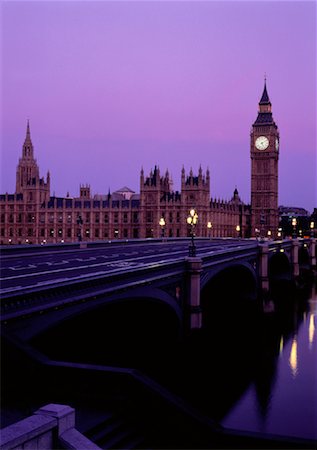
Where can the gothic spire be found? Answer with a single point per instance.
(265, 97)
(28, 132)
(28, 146)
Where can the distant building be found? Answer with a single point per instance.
(32, 215)
(303, 220)
(293, 211)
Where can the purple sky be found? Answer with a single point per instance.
(113, 86)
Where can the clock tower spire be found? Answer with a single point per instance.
(264, 147)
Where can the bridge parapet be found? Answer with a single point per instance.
(50, 427)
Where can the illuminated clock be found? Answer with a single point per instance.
(262, 143)
(276, 144)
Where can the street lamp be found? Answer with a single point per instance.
(269, 234)
(162, 225)
(209, 226)
(238, 230)
(192, 220)
(279, 232)
(312, 226)
(294, 223)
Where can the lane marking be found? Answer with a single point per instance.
(66, 269)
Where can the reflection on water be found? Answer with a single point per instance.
(311, 329)
(291, 401)
(293, 357)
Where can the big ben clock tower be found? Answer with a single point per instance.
(264, 170)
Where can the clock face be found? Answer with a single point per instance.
(276, 144)
(262, 143)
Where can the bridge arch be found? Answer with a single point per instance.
(279, 267)
(117, 330)
(229, 292)
(236, 270)
(303, 256)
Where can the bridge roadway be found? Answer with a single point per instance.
(42, 285)
(66, 279)
(22, 270)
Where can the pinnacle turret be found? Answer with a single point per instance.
(265, 96)
(28, 146)
(265, 109)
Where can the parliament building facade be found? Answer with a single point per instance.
(31, 215)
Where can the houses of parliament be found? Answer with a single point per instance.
(32, 216)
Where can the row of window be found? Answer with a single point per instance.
(90, 204)
(98, 233)
(51, 218)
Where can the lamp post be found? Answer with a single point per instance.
(279, 232)
(257, 233)
(312, 226)
(294, 223)
(192, 220)
(162, 225)
(238, 231)
(209, 226)
(79, 223)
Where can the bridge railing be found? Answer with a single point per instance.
(18, 301)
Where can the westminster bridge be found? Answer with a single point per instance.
(44, 285)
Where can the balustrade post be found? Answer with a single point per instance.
(64, 414)
(194, 267)
(295, 263)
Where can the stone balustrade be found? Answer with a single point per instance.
(50, 427)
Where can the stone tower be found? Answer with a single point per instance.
(152, 190)
(28, 181)
(264, 148)
(195, 192)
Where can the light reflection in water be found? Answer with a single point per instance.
(281, 345)
(311, 330)
(293, 358)
(291, 407)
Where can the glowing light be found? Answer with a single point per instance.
(281, 345)
(162, 222)
(293, 362)
(192, 219)
(311, 330)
